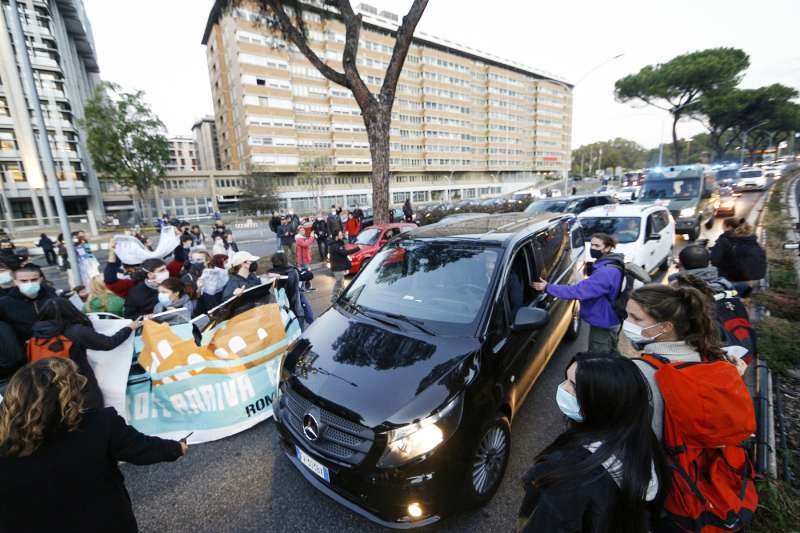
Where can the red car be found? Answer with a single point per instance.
(371, 239)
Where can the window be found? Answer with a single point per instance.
(550, 243)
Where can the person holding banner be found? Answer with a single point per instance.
(172, 297)
(240, 277)
(142, 298)
(58, 461)
(58, 317)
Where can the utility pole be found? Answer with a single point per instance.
(46, 155)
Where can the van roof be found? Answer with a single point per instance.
(621, 210)
(500, 228)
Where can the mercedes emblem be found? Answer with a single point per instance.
(311, 427)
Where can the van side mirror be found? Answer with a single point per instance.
(530, 319)
(654, 237)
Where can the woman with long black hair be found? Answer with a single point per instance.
(58, 317)
(604, 474)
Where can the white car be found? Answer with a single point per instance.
(751, 179)
(627, 194)
(645, 232)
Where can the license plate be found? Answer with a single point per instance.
(319, 469)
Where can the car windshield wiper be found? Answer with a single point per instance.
(415, 323)
(361, 311)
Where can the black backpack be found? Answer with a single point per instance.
(751, 260)
(734, 323)
(631, 273)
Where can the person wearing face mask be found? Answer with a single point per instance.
(676, 324)
(322, 234)
(7, 254)
(171, 296)
(334, 222)
(20, 307)
(596, 293)
(180, 256)
(143, 297)
(605, 472)
(239, 276)
(6, 278)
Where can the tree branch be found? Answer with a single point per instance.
(352, 24)
(298, 38)
(402, 43)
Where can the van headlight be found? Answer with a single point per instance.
(687, 212)
(409, 442)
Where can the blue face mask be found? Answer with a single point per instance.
(6, 278)
(568, 404)
(164, 299)
(30, 289)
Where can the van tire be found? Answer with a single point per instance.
(694, 233)
(497, 428)
(710, 223)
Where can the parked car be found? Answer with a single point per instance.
(398, 401)
(570, 204)
(627, 194)
(645, 233)
(370, 240)
(727, 202)
(751, 179)
(690, 192)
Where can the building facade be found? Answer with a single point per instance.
(59, 43)
(182, 154)
(459, 114)
(206, 143)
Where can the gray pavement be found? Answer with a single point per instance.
(244, 483)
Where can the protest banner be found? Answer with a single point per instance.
(224, 384)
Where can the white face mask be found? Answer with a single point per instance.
(635, 335)
(568, 403)
(6, 278)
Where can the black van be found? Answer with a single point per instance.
(398, 401)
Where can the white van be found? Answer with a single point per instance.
(645, 232)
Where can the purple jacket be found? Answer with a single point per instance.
(595, 294)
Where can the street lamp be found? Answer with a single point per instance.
(574, 85)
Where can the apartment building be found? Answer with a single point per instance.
(459, 114)
(182, 154)
(58, 40)
(206, 143)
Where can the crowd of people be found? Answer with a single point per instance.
(626, 462)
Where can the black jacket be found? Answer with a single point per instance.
(339, 253)
(727, 255)
(292, 288)
(285, 235)
(8, 257)
(83, 338)
(72, 482)
(235, 281)
(12, 357)
(45, 243)
(566, 508)
(334, 224)
(320, 228)
(274, 222)
(140, 301)
(20, 312)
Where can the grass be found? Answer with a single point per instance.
(781, 303)
(782, 273)
(777, 343)
(778, 508)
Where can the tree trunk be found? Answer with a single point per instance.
(377, 124)
(676, 148)
(145, 205)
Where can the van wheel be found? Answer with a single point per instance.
(694, 233)
(488, 462)
(710, 223)
(574, 329)
(664, 266)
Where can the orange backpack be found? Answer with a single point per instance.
(57, 346)
(708, 414)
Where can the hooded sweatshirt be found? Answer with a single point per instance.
(712, 278)
(83, 338)
(596, 293)
(723, 254)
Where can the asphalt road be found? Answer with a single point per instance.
(244, 483)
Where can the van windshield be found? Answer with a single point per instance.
(441, 283)
(624, 229)
(750, 174)
(665, 189)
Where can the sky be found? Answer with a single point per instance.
(154, 46)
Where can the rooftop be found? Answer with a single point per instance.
(389, 21)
